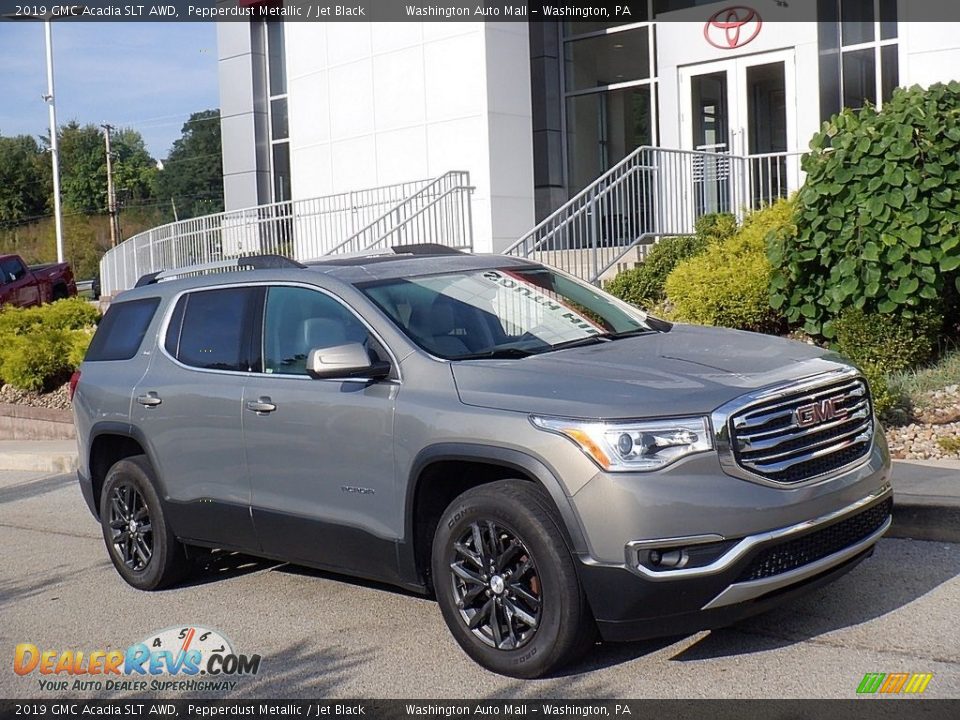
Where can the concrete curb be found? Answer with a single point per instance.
(925, 518)
(35, 462)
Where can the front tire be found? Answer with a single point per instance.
(139, 540)
(506, 582)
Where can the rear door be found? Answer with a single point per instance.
(320, 452)
(188, 407)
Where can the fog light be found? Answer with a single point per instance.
(667, 558)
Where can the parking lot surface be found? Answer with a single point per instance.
(326, 636)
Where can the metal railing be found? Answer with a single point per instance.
(653, 193)
(440, 213)
(439, 210)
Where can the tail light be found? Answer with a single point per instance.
(74, 379)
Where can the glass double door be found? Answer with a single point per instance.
(745, 108)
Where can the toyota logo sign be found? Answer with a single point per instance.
(732, 27)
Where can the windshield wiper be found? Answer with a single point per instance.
(496, 354)
(635, 332)
(598, 338)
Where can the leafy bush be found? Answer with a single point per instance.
(36, 361)
(643, 285)
(885, 341)
(878, 219)
(728, 284)
(885, 399)
(716, 226)
(40, 347)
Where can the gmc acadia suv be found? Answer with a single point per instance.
(546, 460)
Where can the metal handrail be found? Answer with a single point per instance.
(650, 194)
(385, 217)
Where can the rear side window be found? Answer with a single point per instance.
(208, 329)
(122, 329)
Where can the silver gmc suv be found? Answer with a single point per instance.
(551, 463)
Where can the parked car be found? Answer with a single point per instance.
(546, 460)
(25, 286)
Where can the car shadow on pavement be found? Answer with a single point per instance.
(305, 571)
(299, 672)
(899, 573)
(211, 566)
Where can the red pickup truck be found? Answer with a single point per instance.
(25, 286)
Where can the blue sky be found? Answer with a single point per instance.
(148, 76)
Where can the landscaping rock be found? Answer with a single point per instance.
(58, 399)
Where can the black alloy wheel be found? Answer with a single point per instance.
(132, 533)
(497, 586)
(507, 583)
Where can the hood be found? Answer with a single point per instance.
(690, 370)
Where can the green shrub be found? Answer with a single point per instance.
(885, 341)
(885, 400)
(716, 226)
(878, 218)
(36, 361)
(643, 286)
(41, 346)
(728, 284)
(69, 314)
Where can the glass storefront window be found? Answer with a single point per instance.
(275, 59)
(889, 69)
(571, 29)
(281, 171)
(604, 127)
(856, 21)
(859, 78)
(607, 59)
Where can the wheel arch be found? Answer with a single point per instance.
(111, 442)
(479, 465)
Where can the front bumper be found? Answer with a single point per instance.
(751, 575)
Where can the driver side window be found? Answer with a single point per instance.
(297, 320)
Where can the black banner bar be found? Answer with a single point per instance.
(623, 11)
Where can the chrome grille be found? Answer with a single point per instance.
(770, 440)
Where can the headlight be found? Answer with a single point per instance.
(632, 446)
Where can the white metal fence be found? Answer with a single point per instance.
(652, 193)
(432, 210)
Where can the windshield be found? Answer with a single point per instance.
(502, 312)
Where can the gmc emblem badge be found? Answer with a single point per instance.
(817, 412)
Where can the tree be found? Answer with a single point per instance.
(192, 174)
(83, 167)
(23, 190)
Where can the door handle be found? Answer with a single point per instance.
(151, 399)
(261, 406)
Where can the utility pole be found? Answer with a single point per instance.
(111, 191)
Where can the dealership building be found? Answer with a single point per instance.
(536, 111)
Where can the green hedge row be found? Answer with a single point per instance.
(41, 346)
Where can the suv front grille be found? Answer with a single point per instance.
(793, 438)
(817, 545)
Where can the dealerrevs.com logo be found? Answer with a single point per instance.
(189, 658)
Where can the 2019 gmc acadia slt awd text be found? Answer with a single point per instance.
(551, 463)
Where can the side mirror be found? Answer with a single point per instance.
(344, 361)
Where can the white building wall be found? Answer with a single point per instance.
(378, 103)
(929, 52)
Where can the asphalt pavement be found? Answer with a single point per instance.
(325, 636)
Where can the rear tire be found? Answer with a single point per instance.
(138, 537)
(506, 581)
(59, 293)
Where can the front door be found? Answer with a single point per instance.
(320, 452)
(744, 107)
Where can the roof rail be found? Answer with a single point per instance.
(425, 249)
(254, 262)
